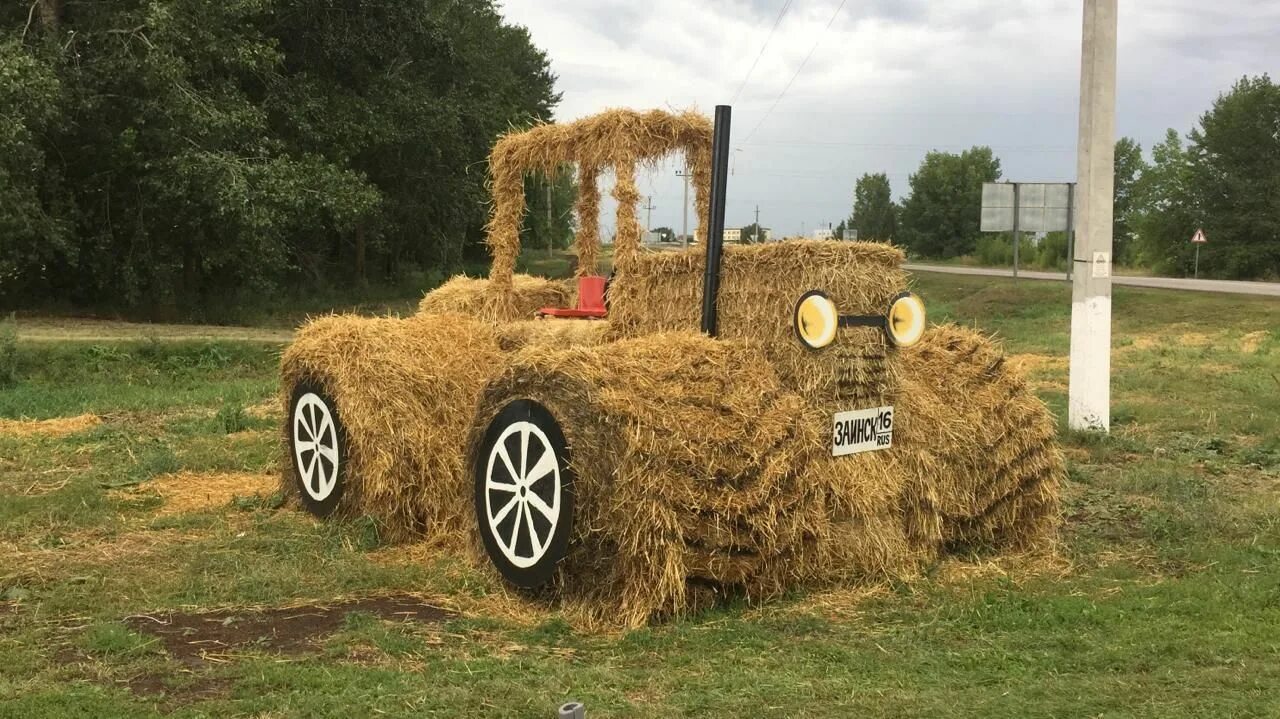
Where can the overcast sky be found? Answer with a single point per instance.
(888, 81)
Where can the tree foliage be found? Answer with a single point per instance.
(752, 233)
(875, 215)
(940, 217)
(549, 221)
(1224, 180)
(1129, 168)
(1235, 179)
(174, 153)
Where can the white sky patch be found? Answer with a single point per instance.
(889, 81)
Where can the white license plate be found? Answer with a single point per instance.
(862, 430)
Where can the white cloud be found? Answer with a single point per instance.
(889, 80)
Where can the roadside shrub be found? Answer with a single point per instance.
(994, 250)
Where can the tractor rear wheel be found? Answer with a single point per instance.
(318, 448)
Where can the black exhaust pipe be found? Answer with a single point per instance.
(715, 223)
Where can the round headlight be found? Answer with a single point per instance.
(816, 320)
(905, 323)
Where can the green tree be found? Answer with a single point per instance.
(874, 212)
(562, 191)
(940, 217)
(752, 233)
(1166, 214)
(31, 236)
(666, 233)
(1235, 180)
(183, 153)
(1129, 168)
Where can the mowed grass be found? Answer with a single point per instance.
(1162, 600)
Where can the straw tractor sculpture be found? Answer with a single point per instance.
(632, 459)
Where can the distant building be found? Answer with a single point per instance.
(733, 236)
(823, 234)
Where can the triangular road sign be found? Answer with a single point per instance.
(1199, 238)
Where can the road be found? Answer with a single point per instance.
(1271, 289)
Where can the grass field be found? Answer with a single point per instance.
(147, 499)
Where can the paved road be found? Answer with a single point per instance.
(1169, 283)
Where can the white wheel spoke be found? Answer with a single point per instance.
(538, 503)
(524, 453)
(533, 534)
(506, 509)
(544, 465)
(501, 487)
(304, 446)
(312, 466)
(515, 528)
(326, 429)
(329, 453)
(506, 460)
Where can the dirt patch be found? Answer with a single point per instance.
(196, 639)
(57, 427)
(185, 492)
(199, 688)
(1249, 343)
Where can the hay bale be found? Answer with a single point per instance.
(406, 390)
(586, 241)
(553, 333)
(698, 471)
(620, 139)
(474, 297)
(759, 287)
(979, 448)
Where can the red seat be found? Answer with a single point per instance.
(590, 301)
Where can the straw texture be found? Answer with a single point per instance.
(471, 296)
(406, 391)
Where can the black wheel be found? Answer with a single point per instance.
(524, 493)
(318, 447)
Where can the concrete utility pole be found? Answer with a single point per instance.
(757, 230)
(1017, 234)
(684, 229)
(551, 233)
(648, 215)
(1089, 395)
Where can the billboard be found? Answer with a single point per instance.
(1040, 206)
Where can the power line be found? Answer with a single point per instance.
(812, 50)
(785, 6)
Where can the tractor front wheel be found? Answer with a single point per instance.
(524, 493)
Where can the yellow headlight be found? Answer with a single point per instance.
(816, 320)
(906, 320)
